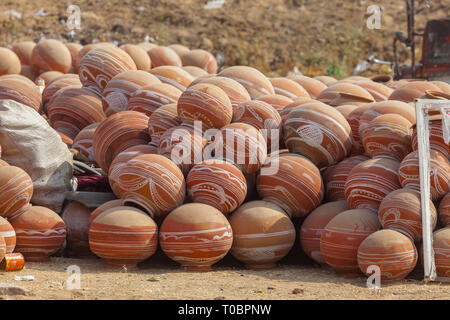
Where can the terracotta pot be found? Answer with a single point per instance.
(123, 236)
(28, 72)
(378, 91)
(152, 182)
(444, 210)
(319, 132)
(173, 75)
(336, 94)
(288, 88)
(382, 78)
(253, 80)
(444, 86)
(2, 247)
(325, 79)
(86, 49)
(51, 55)
(297, 103)
(388, 135)
(23, 50)
(313, 86)
(278, 102)
(10, 63)
(74, 49)
(196, 236)
(437, 141)
(65, 139)
(119, 89)
(104, 207)
(353, 120)
(139, 56)
(334, 177)
(164, 56)
(16, 190)
(441, 246)
(48, 77)
(412, 90)
(346, 109)
(76, 218)
(73, 110)
(179, 49)
(195, 72)
(400, 210)
(83, 142)
(101, 64)
(217, 183)
(234, 90)
(61, 82)
(118, 133)
(343, 235)
(20, 89)
(8, 234)
(370, 181)
(200, 58)
(313, 226)
(147, 45)
(121, 161)
(292, 182)
(40, 232)
(161, 120)
(439, 174)
(394, 253)
(149, 98)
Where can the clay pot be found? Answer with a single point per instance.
(439, 173)
(263, 234)
(73, 110)
(217, 183)
(207, 103)
(62, 82)
(196, 236)
(327, 80)
(195, 72)
(394, 253)
(164, 56)
(345, 93)
(234, 90)
(278, 102)
(8, 234)
(20, 89)
(102, 208)
(346, 109)
(292, 182)
(174, 76)
(121, 161)
(334, 177)
(313, 86)
(313, 226)
(86, 49)
(318, 132)
(139, 56)
(370, 181)
(444, 86)
(74, 49)
(123, 236)
(382, 78)
(40, 232)
(253, 80)
(241, 144)
(437, 141)
(9, 62)
(83, 142)
(76, 218)
(147, 45)
(388, 135)
(48, 77)
(152, 182)
(119, 89)
(179, 49)
(118, 133)
(288, 88)
(23, 50)
(65, 139)
(342, 237)
(28, 72)
(51, 55)
(441, 247)
(149, 98)
(297, 103)
(378, 91)
(400, 210)
(444, 210)
(161, 120)
(353, 120)
(16, 190)
(200, 58)
(2, 247)
(412, 90)
(100, 65)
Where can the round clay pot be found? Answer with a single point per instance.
(123, 236)
(20, 89)
(161, 120)
(200, 58)
(412, 90)
(253, 80)
(8, 234)
(16, 190)
(400, 210)
(325, 79)
(318, 132)
(234, 90)
(149, 98)
(263, 234)
(217, 183)
(28, 72)
(378, 91)
(195, 72)
(312, 228)
(118, 91)
(139, 56)
(61, 82)
(76, 218)
(48, 77)
(441, 247)
(313, 86)
(393, 252)
(409, 176)
(292, 182)
(23, 50)
(104, 207)
(83, 141)
(101, 64)
(85, 50)
(65, 139)
(444, 210)
(345, 93)
(179, 49)
(346, 109)
(297, 103)
(164, 56)
(342, 237)
(152, 182)
(74, 49)
(437, 141)
(370, 181)
(51, 55)
(288, 88)
(147, 45)
(174, 76)
(278, 102)
(40, 232)
(334, 177)
(9, 62)
(2, 247)
(353, 120)
(118, 133)
(196, 236)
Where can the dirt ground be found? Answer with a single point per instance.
(164, 280)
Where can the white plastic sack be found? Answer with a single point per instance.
(445, 111)
(30, 143)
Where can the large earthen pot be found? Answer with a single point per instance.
(288, 88)
(436, 135)
(84, 140)
(441, 247)
(23, 50)
(200, 58)
(48, 77)
(20, 89)
(61, 82)
(2, 247)
(444, 210)
(313, 86)
(253, 80)
(139, 56)
(74, 49)
(51, 55)
(150, 98)
(102, 208)
(378, 91)
(345, 93)
(9, 62)
(76, 218)
(16, 190)
(161, 120)
(8, 234)
(174, 76)
(234, 90)
(179, 49)
(164, 56)
(277, 101)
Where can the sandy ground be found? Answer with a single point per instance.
(163, 280)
